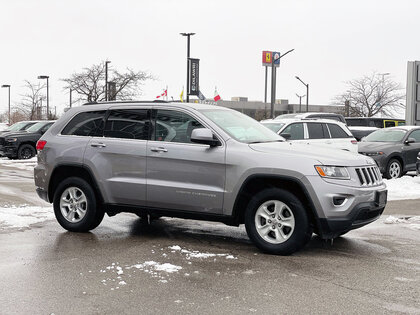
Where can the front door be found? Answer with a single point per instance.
(117, 156)
(411, 150)
(182, 175)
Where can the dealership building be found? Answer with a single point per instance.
(256, 109)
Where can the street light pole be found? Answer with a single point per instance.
(70, 96)
(48, 101)
(300, 101)
(188, 35)
(307, 93)
(106, 79)
(7, 86)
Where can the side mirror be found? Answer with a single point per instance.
(204, 136)
(410, 140)
(286, 135)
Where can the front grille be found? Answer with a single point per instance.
(369, 175)
(2, 141)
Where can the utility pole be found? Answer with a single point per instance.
(70, 96)
(188, 35)
(106, 79)
(7, 86)
(42, 77)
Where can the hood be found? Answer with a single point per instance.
(14, 134)
(321, 154)
(376, 146)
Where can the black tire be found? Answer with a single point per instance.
(390, 171)
(93, 216)
(302, 230)
(26, 151)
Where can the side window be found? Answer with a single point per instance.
(174, 126)
(46, 127)
(337, 132)
(316, 131)
(295, 131)
(415, 135)
(128, 124)
(84, 124)
(389, 123)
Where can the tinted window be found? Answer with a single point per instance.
(295, 131)
(389, 123)
(128, 124)
(174, 126)
(337, 132)
(84, 124)
(317, 131)
(415, 135)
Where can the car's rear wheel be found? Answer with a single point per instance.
(393, 169)
(26, 151)
(277, 222)
(75, 206)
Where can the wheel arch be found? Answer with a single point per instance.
(64, 171)
(256, 183)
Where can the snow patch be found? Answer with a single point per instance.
(27, 165)
(411, 222)
(406, 187)
(196, 254)
(24, 216)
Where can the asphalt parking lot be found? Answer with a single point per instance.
(184, 266)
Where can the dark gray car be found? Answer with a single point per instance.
(393, 149)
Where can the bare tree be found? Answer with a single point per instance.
(371, 95)
(90, 83)
(31, 104)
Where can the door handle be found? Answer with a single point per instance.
(158, 149)
(98, 145)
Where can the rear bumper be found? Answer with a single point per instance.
(361, 214)
(42, 194)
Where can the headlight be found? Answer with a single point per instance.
(11, 139)
(337, 172)
(374, 153)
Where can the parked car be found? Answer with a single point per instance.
(331, 116)
(19, 126)
(319, 132)
(203, 162)
(394, 149)
(21, 145)
(418, 164)
(374, 122)
(360, 132)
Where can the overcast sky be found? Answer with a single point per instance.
(334, 41)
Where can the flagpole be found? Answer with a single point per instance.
(166, 93)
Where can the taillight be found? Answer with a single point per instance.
(354, 141)
(40, 144)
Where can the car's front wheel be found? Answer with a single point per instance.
(393, 169)
(277, 222)
(75, 206)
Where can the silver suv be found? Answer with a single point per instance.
(202, 162)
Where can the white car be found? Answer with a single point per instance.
(321, 132)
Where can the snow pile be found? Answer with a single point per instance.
(153, 267)
(27, 165)
(24, 216)
(410, 222)
(196, 254)
(405, 187)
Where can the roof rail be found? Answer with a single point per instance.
(125, 102)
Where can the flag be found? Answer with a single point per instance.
(181, 96)
(216, 95)
(201, 96)
(164, 93)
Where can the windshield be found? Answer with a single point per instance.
(16, 127)
(241, 127)
(36, 127)
(386, 135)
(274, 127)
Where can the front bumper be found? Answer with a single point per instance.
(9, 151)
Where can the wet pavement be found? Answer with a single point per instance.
(183, 266)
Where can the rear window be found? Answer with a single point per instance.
(84, 124)
(337, 132)
(317, 131)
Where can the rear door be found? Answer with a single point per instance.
(117, 156)
(182, 175)
(318, 134)
(341, 139)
